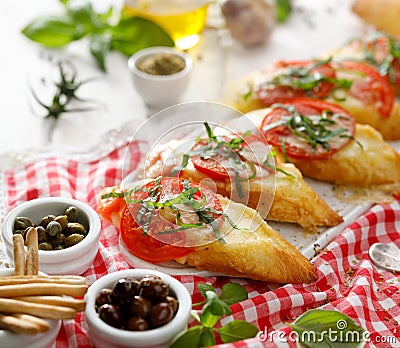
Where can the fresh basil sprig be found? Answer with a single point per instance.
(327, 328)
(214, 307)
(105, 33)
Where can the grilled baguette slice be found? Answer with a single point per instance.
(252, 250)
(293, 200)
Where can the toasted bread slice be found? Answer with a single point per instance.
(293, 200)
(253, 250)
(365, 161)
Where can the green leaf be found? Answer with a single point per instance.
(233, 293)
(83, 13)
(326, 328)
(237, 330)
(134, 33)
(207, 318)
(283, 10)
(207, 338)
(53, 31)
(99, 46)
(217, 306)
(189, 339)
(203, 288)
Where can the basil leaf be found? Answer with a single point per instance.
(237, 330)
(83, 13)
(53, 31)
(134, 33)
(327, 328)
(189, 339)
(203, 288)
(233, 293)
(207, 318)
(207, 338)
(99, 46)
(283, 10)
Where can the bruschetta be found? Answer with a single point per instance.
(324, 142)
(356, 86)
(242, 168)
(175, 219)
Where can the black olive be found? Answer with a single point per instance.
(111, 315)
(173, 303)
(103, 297)
(137, 324)
(154, 289)
(160, 314)
(123, 289)
(140, 306)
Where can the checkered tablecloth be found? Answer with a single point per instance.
(347, 279)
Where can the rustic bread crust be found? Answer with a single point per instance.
(258, 253)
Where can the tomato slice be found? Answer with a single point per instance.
(162, 241)
(144, 246)
(279, 134)
(219, 166)
(369, 86)
(299, 79)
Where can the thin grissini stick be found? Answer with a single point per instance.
(42, 325)
(8, 305)
(71, 280)
(19, 254)
(32, 256)
(31, 289)
(17, 325)
(78, 305)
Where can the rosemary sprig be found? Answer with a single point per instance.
(65, 93)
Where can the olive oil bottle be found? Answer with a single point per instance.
(183, 20)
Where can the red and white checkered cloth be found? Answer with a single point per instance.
(347, 279)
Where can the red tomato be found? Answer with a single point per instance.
(369, 86)
(271, 93)
(145, 246)
(219, 167)
(112, 205)
(294, 146)
(155, 246)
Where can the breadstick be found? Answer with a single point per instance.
(42, 325)
(71, 280)
(42, 289)
(19, 254)
(8, 305)
(32, 256)
(78, 305)
(17, 325)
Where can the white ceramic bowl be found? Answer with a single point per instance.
(73, 260)
(105, 336)
(160, 91)
(43, 340)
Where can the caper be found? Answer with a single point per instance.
(22, 222)
(53, 228)
(58, 239)
(46, 220)
(62, 220)
(72, 214)
(42, 234)
(72, 240)
(45, 246)
(75, 227)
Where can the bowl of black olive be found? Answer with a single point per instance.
(136, 308)
(68, 233)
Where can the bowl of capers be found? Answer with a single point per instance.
(136, 308)
(68, 233)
